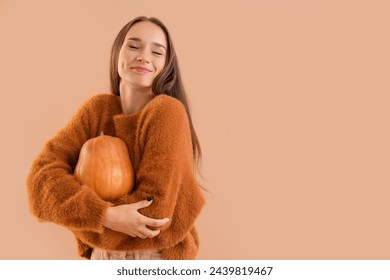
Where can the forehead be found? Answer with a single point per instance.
(148, 32)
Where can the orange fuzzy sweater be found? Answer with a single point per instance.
(159, 141)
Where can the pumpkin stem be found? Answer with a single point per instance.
(101, 133)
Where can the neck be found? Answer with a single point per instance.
(132, 99)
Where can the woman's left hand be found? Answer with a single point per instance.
(125, 218)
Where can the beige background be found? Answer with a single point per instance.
(290, 101)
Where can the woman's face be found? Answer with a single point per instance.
(143, 55)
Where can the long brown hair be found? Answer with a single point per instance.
(168, 81)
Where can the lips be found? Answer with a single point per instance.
(141, 69)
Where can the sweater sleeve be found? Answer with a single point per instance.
(166, 172)
(53, 192)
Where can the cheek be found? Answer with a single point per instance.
(160, 66)
(121, 60)
(121, 66)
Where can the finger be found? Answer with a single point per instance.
(142, 236)
(150, 233)
(154, 222)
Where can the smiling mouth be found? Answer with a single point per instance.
(141, 69)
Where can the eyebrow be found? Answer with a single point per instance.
(153, 43)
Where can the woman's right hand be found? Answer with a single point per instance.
(126, 219)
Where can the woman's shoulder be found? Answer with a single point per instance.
(101, 101)
(165, 104)
(164, 111)
(103, 98)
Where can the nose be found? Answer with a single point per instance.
(142, 57)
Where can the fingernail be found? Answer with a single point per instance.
(149, 198)
(168, 220)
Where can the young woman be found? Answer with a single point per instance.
(147, 109)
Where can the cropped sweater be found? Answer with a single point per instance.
(159, 142)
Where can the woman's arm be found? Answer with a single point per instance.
(166, 171)
(53, 192)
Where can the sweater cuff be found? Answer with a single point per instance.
(93, 212)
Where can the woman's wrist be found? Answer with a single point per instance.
(107, 218)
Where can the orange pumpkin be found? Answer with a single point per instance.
(104, 164)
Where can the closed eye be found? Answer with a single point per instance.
(133, 47)
(157, 53)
